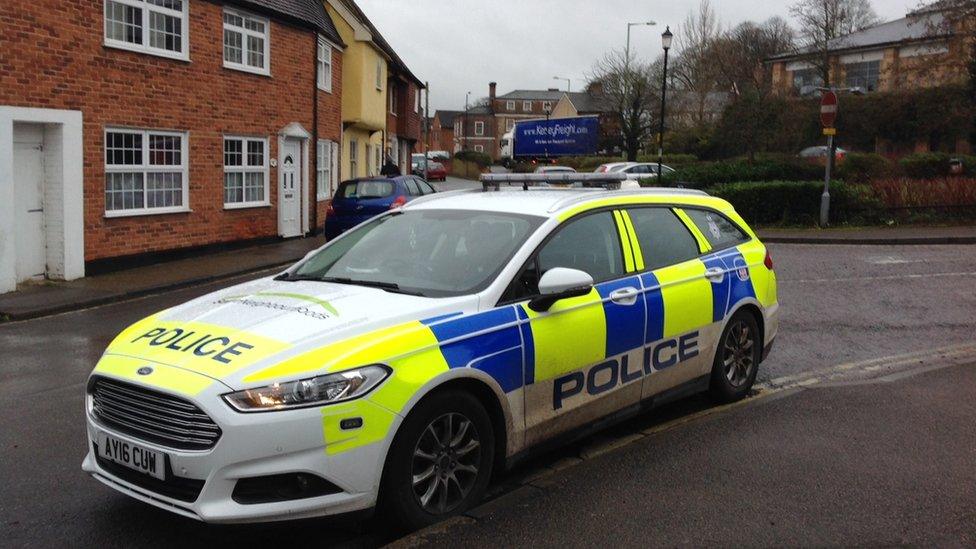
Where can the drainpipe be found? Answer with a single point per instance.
(313, 185)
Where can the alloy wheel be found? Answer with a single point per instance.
(738, 357)
(445, 463)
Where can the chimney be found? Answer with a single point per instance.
(553, 89)
(491, 93)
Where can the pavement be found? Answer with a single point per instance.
(897, 235)
(876, 310)
(883, 462)
(33, 300)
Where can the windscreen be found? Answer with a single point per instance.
(433, 253)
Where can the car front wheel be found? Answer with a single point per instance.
(440, 462)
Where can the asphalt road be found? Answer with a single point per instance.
(839, 304)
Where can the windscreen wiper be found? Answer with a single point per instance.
(388, 286)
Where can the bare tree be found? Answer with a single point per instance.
(823, 23)
(695, 71)
(738, 55)
(629, 90)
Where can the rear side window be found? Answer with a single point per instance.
(365, 189)
(589, 244)
(664, 239)
(412, 188)
(718, 230)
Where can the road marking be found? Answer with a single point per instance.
(886, 277)
(951, 354)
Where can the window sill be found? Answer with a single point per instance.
(322, 198)
(321, 89)
(143, 213)
(247, 205)
(249, 70)
(125, 46)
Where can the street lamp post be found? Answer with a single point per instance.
(569, 85)
(666, 38)
(627, 51)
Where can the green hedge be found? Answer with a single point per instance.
(864, 167)
(707, 174)
(795, 202)
(479, 158)
(925, 165)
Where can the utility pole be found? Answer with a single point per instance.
(426, 127)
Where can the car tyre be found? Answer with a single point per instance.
(736, 359)
(440, 462)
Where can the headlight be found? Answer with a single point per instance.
(314, 391)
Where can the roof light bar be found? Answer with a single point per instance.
(493, 181)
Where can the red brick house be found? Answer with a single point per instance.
(404, 118)
(442, 131)
(130, 127)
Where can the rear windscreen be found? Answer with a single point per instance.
(366, 189)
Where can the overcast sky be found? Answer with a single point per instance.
(461, 45)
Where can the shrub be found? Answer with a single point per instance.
(794, 202)
(899, 192)
(864, 167)
(925, 165)
(707, 174)
(479, 158)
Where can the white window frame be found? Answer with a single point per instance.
(547, 105)
(326, 176)
(379, 74)
(146, 7)
(527, 106)
(245, 169)
(509, 124)
(416, 100)
(510, 106)
(391, 96)
(479, 127)
(145, 168)
(243, 66)
(479, 148)
(324, 77)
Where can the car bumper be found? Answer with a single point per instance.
(250, 446)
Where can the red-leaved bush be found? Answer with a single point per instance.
(902, 192)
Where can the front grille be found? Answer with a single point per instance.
(152, 416)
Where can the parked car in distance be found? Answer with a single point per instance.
(554, 169)
(359, 200)
(819, 154)
(435, 172)
(438, 155)
(611, 167)
(644, 170)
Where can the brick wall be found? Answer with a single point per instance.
(52, 56)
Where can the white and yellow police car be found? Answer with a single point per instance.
(401, 363)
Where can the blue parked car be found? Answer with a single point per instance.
(358, 200)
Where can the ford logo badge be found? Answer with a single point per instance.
(144, 371)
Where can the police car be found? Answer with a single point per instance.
(400, 364)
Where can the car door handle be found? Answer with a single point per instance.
(715, 274)
(624, 296)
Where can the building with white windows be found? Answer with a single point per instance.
(134, 127)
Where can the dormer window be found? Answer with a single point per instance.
(155, 27)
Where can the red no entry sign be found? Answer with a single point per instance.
(828, 109)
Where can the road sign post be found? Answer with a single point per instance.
(828, 117)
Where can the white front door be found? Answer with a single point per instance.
(290, 189)
(29, 202)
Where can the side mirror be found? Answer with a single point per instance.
(560, 283)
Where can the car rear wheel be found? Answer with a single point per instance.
(737, 358)
(440, 462)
